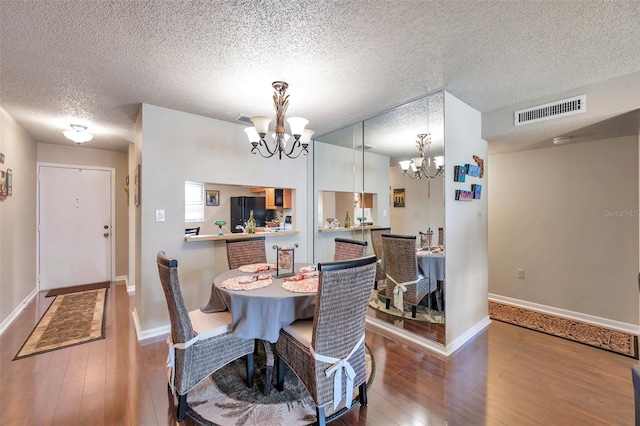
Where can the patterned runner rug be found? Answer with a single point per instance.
(71, 319)
(592, 335)
(223, 399)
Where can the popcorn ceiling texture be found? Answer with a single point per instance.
(94, 62)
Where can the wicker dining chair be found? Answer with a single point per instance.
(199, 343)
(346, 249)
(401, 265)
(376, 243)
(311, 348)
(246, 251)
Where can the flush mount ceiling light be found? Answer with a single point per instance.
(257, 133)
(78, 134)
(421, 166)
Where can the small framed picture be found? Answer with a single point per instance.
(398, 197)
(3, 185)
(213, 197)
(9, 182)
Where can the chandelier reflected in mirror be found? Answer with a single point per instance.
(421, 167)
(257, 133)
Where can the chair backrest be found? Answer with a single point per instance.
(400, 257)
(347, 249)
(246, 251)
(192, 231)
(344, 289)
(376, 240)
(181, 328)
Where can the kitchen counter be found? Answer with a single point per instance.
(238, 236)
(353, 228)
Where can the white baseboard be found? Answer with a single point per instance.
(412, 339)
(7, 321)
(131, 289)
(147, 334)
(468, 335)
(563, 313)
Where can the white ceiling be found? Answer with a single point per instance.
(94, 62)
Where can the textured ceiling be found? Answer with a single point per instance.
(95, 62)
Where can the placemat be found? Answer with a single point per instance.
(257, 267)
(246, 282)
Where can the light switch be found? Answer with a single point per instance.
(159, 215)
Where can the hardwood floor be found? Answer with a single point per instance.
(505, 376)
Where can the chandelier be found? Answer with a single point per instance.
(420, 167)
(257, 133)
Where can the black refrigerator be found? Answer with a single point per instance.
(240, 208)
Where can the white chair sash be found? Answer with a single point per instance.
(398, 292)
(337, 365)
(171, 358)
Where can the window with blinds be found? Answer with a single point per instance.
(193, 202)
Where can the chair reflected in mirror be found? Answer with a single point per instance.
(405, 284)
(376, 242)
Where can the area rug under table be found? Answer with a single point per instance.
(599, 337)
(71, 319)
(223, 398)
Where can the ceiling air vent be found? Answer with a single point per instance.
(244, 117)
(562, 108)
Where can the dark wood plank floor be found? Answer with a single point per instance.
(505, 376)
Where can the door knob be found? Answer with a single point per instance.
(106, 234)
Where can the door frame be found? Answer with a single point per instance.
(112, 174)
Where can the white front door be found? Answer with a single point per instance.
(74, 223)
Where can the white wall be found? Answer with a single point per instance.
(17, 220)
(340, 169)
(568, 216)
(465, 227)
(177, 147)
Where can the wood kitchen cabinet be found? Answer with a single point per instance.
(365, 202)
(271, 202)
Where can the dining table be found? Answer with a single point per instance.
(431, 263)
(260, 313)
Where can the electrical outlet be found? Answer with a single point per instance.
(159, 215)
(520, 273)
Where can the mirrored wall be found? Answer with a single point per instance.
(357, 173)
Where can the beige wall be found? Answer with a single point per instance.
(86, 156)
(568, 216)
(17, 219)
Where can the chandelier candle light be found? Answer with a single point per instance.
(257, 133)
(421, 166)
